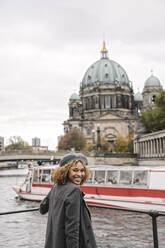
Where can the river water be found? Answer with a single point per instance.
(113, 229)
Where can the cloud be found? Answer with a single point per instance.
(47, 46)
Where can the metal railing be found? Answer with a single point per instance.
(153, 214)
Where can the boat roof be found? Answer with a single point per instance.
(158, 169)
(109, 167)
(45, 167)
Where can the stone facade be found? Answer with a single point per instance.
(106, 101)
(150, 148)
(150, 145)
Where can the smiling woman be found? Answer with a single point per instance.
(69, 219)
(77, 173)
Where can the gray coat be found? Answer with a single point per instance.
(69, 222)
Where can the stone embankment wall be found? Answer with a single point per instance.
(99, 158)
(94, 158)
(111, 161)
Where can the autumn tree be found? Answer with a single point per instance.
(17, 143)
(104, 145)
(121, 144)
(153, 119)
(73, 139)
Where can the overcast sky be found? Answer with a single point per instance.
(46, 46)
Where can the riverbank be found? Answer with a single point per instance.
(8, 166)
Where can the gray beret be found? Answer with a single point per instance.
(72, 157)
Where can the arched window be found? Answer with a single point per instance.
(107, 102)
(89, 77)
(102, 102)
(89, 131)
(153, 99)
(71, 111)
(106, 75)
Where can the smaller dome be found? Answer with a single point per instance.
(138, 97)
(75, 96)
(152, 81)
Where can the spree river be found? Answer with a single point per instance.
(113, 229)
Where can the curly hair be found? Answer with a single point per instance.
(60, 174)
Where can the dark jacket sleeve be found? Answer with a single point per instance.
(44, 206)
(72, 219)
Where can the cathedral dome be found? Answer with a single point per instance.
(152, 81)
(138, 97)
(105, 71)
(74, 96)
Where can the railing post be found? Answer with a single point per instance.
(154, 215)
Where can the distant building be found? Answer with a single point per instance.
(106, 101)
(2, 147)
(39, 148)
(36, 141)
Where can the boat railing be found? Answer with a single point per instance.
(153, 214)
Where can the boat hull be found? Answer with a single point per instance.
(108, 197)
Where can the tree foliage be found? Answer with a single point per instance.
(121, 144)
(153, 119)
(124, 144)
(73, 139)
(105, 145)
(17, 143)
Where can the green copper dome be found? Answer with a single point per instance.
(152, 81)
(74, 96)
(105, 71)
(138, 97)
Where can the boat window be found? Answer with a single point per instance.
(99, 176)
(125, 177)
(46, 176)
(90, 180)
(36, 176)
(140, 178)
(112, 177)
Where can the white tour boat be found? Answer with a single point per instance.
(109, 186)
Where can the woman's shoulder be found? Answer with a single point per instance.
(71, 188)
(67, 189)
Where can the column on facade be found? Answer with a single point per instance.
(144, 151)
(135, 147)
(151, 154)
(143, 148)
(153, 147)
(149, 147)
(157, 147)
(163, 146)
(160, 149)
(140, 149)
(146, 148)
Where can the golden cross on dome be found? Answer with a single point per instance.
(104, 49)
